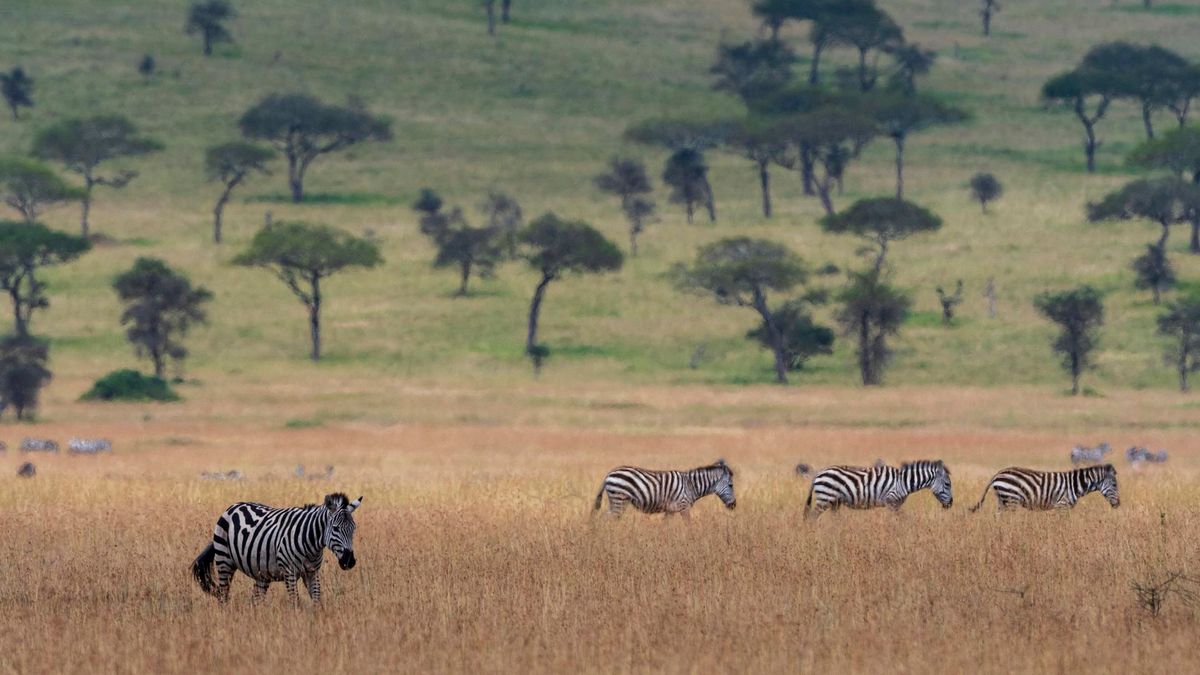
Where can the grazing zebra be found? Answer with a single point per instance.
(1084, 455)
(1136, 455)
(269, 544)
(881, 485)
(89, 446)
(668, 492)
(1042, 490)
(38, 445)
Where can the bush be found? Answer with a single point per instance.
(130, 385)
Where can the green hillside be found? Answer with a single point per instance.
(536, 112)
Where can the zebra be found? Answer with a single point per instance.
(1136, 455)
(268, 544)
(667, 492)
(1043, 490)
(39, 446)
(1081, 454)
(89, 446)
(881, 485)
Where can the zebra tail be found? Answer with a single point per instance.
(808, 502)
(599, 499)
(982, 499)
(202, 570)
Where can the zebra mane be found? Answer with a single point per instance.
(935, 463)
(719, 464)
(331, 499)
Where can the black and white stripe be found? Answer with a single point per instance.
(1042, 490)
(881, 485)
(287, 545)
(666, 492)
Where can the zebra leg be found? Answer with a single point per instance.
(260, 591)
(290, 582)
(615, 506)
(224, 576)
(313, 582)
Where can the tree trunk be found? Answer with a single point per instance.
(160, 367)
(1089, 147)
(1075, 373)
(1156, 292)
(710, 203)
(314, 317)
(690, 207)
(219, 210)
(814, 70)
(295, 178)
(987, 19)
(1183, 370)
(879, 259)
(764, 181)
(1162, 239)
(863, 83)
(207, 42)
(20, 326)
(491, 13)
(87, 205)
(535, 309)
(823, 187)
(1194, 245)
(864, 349)
(504, 7)
(899, 166)
(773, 332)
(465, 270)
(806, 169)
(633, 233)
(1147, 122)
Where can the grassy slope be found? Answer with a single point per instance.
(536, 112)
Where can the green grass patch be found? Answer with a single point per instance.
(130, 385)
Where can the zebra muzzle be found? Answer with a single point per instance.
(347, 561)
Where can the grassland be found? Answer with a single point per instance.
(475, 545)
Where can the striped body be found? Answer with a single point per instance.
(881, 485)
(1042, 490)
(666, 492)
(269, 544)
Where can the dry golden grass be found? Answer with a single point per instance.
(477, 551)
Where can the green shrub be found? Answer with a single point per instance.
(130, 385)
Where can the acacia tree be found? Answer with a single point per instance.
(82, 145)
(31, 187)
(871, 312)
(301, 255)
(503, 214)
(833, 22)
(867, 30)
(555, 247)
(911, 60)
(24, 249)
(627, 179)
(231, 164)
(1079, 313)
(742, 271)
(161, 305)
(23, 373)
(208, 20)
(882, 220)
(686, 174)
(1154, 271)
(1181, 323)
(831, 136)
(900, 115)
(17, 89)
(458, 244)
(1165, 201)
(1149, 75)
(985, 188)
(1177, 151)
(303, 129)
(1081, 89)
(757, 140)
(803, 337)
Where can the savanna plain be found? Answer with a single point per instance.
(477, 547)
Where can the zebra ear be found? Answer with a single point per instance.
(719, 462)
(354, 504)
(334, 502)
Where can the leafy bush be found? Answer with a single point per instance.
(130, 385)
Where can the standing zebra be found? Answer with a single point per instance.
(268, 544)
(881, 485)
(668, 492)
(1042, 490)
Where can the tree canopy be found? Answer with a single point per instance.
(900, 115)
(882, 220)
(303, 128)
(208, 20)
(1165, 200)
(31, 187)
(1079, 313)
(871, 311)
(985, 188)
(1177, 151)
(627, 179)
(23, 372)
(1181, 323)
(752, 70)
(82, 144)
(17, 89)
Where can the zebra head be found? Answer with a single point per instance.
(1106, 484)
(339, 532)
(724, 484)
(940, 484)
